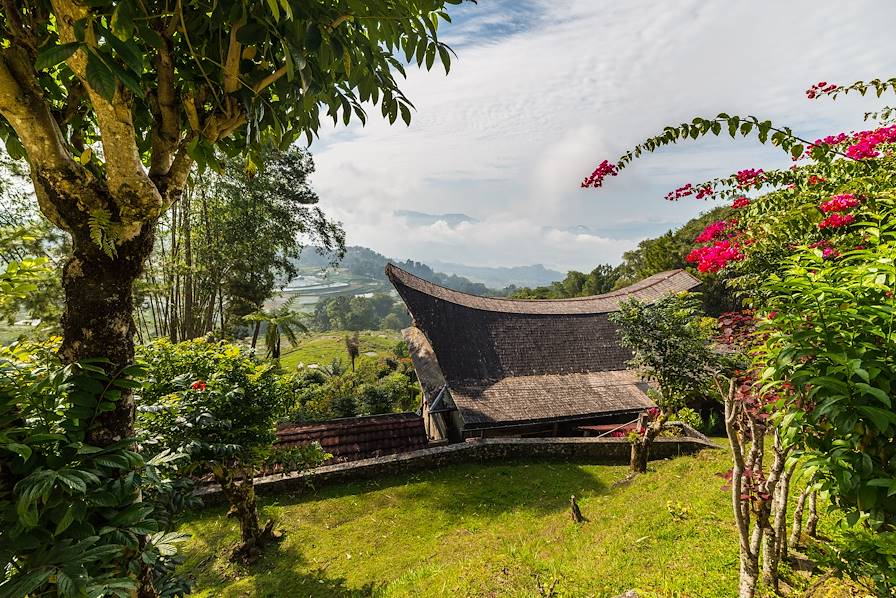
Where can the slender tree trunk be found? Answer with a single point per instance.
(749, 576)
(98, 320)
(812, 522)
(255, 333)
(240, 494)
(640, 454)
(189, 326)
(797, 529)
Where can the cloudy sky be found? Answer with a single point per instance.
(542, 90)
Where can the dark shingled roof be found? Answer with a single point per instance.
(509, 360)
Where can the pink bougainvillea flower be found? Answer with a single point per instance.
(713, 231)
(704, 191)
(864, 143)
(712, 258)
(749, 177)
(821, 88)
(683, 191)
(596, 178)
(829, 253)
(836, 220)
(198, 385)
(740, 202)
(839, 203)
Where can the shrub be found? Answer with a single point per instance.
(218, 405)
(72, 516)
(688, 416)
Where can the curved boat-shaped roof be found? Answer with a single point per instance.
(647, 291)
(507, 361)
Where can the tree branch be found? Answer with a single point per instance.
(135, 194)
(166, 133)
(270, 79)
(232, 62)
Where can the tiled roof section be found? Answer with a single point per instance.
(648, 290)
(550, 398)
(359, 437)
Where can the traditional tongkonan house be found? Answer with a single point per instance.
(504, 367)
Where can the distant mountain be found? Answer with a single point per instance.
(423, 219)
(363, 261)
(501, 277)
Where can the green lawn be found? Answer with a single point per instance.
(322, 348)
(8, 333)
(489, 530)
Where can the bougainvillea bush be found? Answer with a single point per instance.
(811, 249)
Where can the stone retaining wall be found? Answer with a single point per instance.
(591, 450)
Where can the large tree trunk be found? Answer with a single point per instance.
(98, 318)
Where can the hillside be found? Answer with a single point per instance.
(489, 530)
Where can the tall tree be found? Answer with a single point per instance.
(234, 237)
(113, 101)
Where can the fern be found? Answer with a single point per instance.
(101, 232)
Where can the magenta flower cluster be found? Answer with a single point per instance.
(712, 258)
(596, 178)
(864, 143)
(821, 88)
(688, 190)
(749, 177)
(839, 203)
(836, 220)
(713, 231)
(740, 202)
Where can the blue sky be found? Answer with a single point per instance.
(542, 90)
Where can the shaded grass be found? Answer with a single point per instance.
(10, 333)
(323, 348)
(489, 530)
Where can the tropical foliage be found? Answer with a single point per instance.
(815, 257)
(671, 348)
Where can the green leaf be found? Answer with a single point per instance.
(21, 449)
(100, 77)
(53, 55)
(877, 393)
(881, 418)
(65, 521)
(122, 23)
(25, 583)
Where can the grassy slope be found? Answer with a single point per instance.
(322, 348)
(489, 530)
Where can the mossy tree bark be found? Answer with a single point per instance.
(640, 454)
(237, 487)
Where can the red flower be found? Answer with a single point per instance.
(836, 220)
(712, 232)
(712, 258)
(839, 203)
(596, 178)
(829, 253)
(740, 202)
(198, 385)
(816, 180)
(864, 143)
(772, 315)
(821, 88)
(749, 177)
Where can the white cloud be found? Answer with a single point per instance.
(543, 90)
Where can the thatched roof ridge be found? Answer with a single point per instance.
(648, 290)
